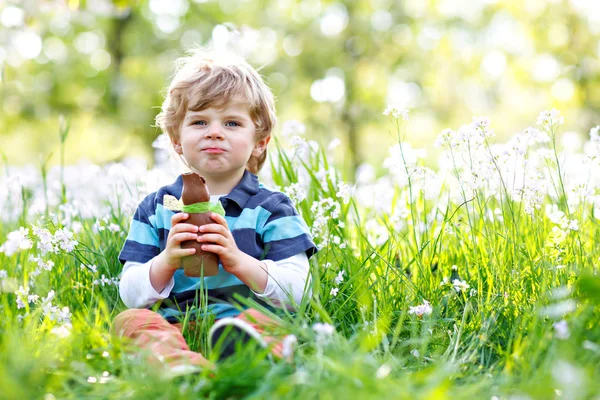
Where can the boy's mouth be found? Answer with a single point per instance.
(213, 150)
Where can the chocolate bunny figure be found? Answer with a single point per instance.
(196, 202)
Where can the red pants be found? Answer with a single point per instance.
(150, 331)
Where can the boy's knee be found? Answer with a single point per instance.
(133, 318)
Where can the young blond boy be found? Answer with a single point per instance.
(219, 115)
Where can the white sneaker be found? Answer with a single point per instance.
(228, 334)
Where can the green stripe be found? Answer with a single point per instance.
(203, 207)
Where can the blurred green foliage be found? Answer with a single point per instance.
(332, 65)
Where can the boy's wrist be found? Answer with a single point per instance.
(165, 263)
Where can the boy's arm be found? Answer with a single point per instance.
(148, 279)
(136, 289)
(286, 280)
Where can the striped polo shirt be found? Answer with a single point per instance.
(263, 222)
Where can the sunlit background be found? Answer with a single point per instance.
(334, 66)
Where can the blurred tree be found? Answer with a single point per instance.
(333, 65)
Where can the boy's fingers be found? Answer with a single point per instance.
(218, 218)
(182, 237)
(184, 228)
(210, 238)
(214, 228)
(179, 217)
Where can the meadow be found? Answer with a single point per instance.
(473, 278)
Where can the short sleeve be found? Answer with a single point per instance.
(285, 233)
(142, 243)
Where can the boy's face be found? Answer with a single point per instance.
(218, 142)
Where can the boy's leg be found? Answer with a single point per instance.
(150, 331)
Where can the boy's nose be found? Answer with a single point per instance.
(214, 132)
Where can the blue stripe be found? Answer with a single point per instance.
(220, 310)
(284, 228)
(222, 279)
(249, 219)
(143, 233)
(162, 218)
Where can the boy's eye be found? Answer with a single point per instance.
(199, 123)
(231, 123)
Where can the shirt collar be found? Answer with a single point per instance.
(241, 193)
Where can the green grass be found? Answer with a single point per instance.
(495, 338)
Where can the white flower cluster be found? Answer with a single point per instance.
(338, 280)
(421, 309)
(550, 119)
(103, 224)
(397, 112)
(323, 330)
(325, 211)
(559, 218)
(42, 265)
(104, 281)
(61, 315)
(92, 191)
(61, 240)
(296, 192)
(16, 241)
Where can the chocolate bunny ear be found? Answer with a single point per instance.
(194, 189)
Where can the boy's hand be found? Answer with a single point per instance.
(173, 253)
(217, 238)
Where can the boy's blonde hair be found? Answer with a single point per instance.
(206, 78)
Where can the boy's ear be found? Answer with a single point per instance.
(176, 147)
(260, 146)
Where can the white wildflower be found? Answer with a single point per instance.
(383, 371)
(22, 297)
(76, 227)
(45, 243)
(323, 329)
(460, 286)
(3, 274)
(561, 330)
(300, 146)
(446, 138)
(549, 119)
(334, 291)
(42, 264)
(415, 353)
(421, 309)
(93, 268)
(482, 127)
(536, 135)
(16, 241)
(104, 281)
(62, 331)
(289, 344)
(33, 298)
(396, 112)
(334, 144)
(339, 278)
(554, 214)
(293, 128)
(114, 227)
(296, 192)
(64, 239)
(573, 225)
(345, 191)
(595, 134)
